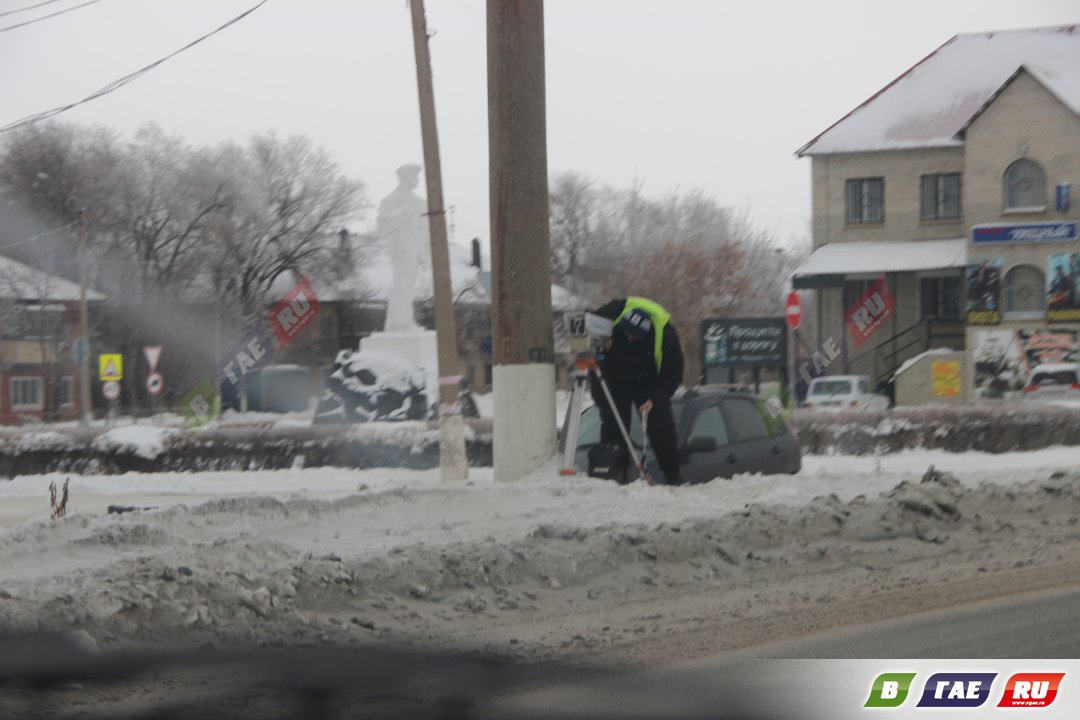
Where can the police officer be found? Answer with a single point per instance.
(642, 363)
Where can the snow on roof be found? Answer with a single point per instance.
(22, 282)
(934, 100)
(910, 362)
(851, 258)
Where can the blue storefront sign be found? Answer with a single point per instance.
(1061, 198)
(1025, 233)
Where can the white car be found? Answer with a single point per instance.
(844, 392)
(1053, 381)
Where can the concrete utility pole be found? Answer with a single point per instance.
(84, 327)
(452, 458)
(523, 345)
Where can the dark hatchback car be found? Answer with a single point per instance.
(721, 433)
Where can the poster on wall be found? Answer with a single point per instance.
(1003, 359)
(984, 292)
(945, 375)
(1062, 294)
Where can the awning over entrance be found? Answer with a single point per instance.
(830, 263)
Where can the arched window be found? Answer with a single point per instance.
(1024, 291)
(1024, 185)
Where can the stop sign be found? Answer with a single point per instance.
(793, 310)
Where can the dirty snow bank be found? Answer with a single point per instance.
(405, 558)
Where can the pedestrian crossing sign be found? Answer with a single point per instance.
(110, 367)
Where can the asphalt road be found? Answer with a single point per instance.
(732, 685)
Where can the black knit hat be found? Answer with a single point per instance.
(636, 323)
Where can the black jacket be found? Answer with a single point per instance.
(633, 363)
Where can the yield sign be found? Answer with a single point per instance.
(793, 310)
(153, 354)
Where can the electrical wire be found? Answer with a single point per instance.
(117, 84)
(46, 17)
(28, 7)
(38, 236)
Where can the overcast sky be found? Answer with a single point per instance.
(680, 94)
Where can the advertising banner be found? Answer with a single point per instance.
(873, 308)
(984, 292)
(1024, 233)
(1062, 295)
(945, 375)
(1003, 359)
(750, 341)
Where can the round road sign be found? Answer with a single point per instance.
(111, 390)
(154, 383)
(793, 310)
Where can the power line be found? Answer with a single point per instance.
(38, 236)
(46, 17)
(117, 84)
(28, 7)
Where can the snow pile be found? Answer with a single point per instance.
(43, 441)
(403, 555)
(146, 441)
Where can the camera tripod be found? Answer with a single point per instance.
(584, 367)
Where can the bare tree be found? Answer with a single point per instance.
(572, 204)
(288, 202)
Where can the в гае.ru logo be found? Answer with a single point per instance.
(957, 689)
(1031, 690)
(890, 690)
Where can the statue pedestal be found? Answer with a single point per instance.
(417, 348)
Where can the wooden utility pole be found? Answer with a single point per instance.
(452, 458)
(523, 344)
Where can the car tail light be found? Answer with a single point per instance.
(854, 403)
(1076, 386)
(1032, 388)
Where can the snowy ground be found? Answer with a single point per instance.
(541, 568)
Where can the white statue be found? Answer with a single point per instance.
(402, 223)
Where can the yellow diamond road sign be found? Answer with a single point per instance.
(110, 367)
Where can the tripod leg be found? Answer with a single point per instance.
(619, 422)
(571, 426)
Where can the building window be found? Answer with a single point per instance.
(65, 392)
(939, 297)
(26, 394)
(865, 200)
(1024, 293)
(1025, 186)
(940, 196)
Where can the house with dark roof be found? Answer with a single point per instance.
(943, 218)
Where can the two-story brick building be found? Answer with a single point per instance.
(953, 184)
(39, 319)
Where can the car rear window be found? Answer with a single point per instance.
(831, 387)
(1058, 377)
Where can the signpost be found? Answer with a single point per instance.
(110, 367)
(154, 380)
(793, 310)
(749, 342)
(111, 390)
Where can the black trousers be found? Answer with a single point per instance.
(662, 437)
